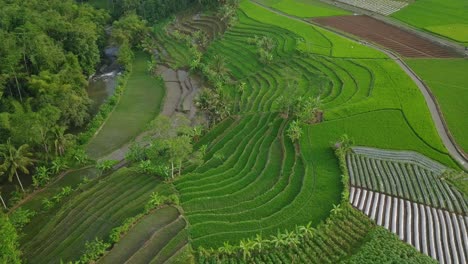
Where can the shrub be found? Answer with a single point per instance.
(93, 250)
(106, 165)
(41, 177)
(21, 217)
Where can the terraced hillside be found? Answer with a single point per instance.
(254, 180)
(155, 239)
(89, 214)
(402, 192)
(332, 241)
(250, 184)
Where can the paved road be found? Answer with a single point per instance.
(440, 125)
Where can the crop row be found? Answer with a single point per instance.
(406, 175)
(92, 213)
(332, 241)
(435, 232)
(151, 235)
(260, 187)
(384, 7)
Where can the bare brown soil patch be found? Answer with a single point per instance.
(391, 37)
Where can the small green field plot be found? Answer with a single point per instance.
(89, 214)
(447, 79)
(140, 103)
(312, 39)
(71, 179)
(447, 18)
(304, 8)
(170, 50)
(384, 129)
(155, 239)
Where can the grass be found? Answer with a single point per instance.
(305, 8)
(262, 185)
(140, 103)
(386, 129)
(443, 17)
(381, 246)
(150, 228)
(72, 179)
(313, 39)
(253, 181)
(447, 80)
(90, 212)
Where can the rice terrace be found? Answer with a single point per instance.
(234, 131)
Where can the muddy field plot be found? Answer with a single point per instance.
(400, 41)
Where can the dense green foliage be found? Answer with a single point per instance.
(384, 247)
(443, 17)
(152, 10)
(447, 80)
(9, 252)
(47, 50)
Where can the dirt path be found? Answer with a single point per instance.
(440, 124)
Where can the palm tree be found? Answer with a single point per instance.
(61, 140)
(307, 230)
(258, 242)
(336, 209)
(219, 65)
(15, 159)
(246, 247)
(3, 201)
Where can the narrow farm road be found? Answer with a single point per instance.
(442, 129)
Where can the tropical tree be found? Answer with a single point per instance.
(3, 201)
(218, 64)
(294, 131)
(246, 247)
(58, 165)
(336, 209)
(41, 177)
(14, 160)
(259, 242)
(307, 230)
(344, 143)
(9, 252)
(61, 140)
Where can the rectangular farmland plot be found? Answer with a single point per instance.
(388, 36)
(434, 232)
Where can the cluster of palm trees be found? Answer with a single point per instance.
(258, 244)
(13, 160)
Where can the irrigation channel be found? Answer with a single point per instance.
(442, 129)
(102, 84)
